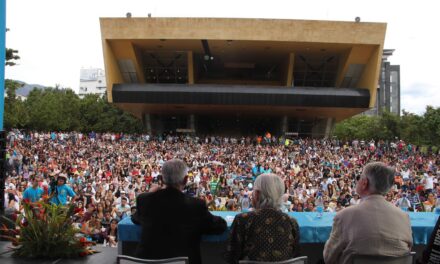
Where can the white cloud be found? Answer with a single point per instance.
(417, 96)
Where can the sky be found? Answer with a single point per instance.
(55, 38)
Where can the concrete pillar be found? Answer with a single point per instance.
(146, 120)
(322, 127)
(192, 122)
(284, 125)
(387, 87)
(290, 67)
(329, 127)
(190, 67)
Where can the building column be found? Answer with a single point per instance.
(290, 67)
(190, 67)
(192, 123)
(284, 125)
(387, 102)
(146, 120)
(329, 127)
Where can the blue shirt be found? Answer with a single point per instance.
(63, 191)
(32, 194)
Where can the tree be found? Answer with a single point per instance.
(431, 125)
(53, 110)
(360, 127)
(412, 128)
(15, 115)
(388, 126)
(11, 57)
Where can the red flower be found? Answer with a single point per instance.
(14, 217)
(83, 253)
(83, 240)
(26, 201)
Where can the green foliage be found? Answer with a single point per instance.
(418, 130)
(15, 114)
(388, 126)
(412, 128)
(11, 56)
(55, 109)
(357, 127)
(431, 122)
(45, 231)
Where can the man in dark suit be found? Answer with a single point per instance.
(172, 223)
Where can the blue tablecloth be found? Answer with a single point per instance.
(312, 228)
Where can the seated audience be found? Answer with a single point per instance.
(111, 234)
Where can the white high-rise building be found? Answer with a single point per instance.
(92, 81)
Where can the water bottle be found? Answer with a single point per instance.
(319, 205)
(245, 203)
(404, 203)
(437, 205)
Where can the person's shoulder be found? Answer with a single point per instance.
(396, 211)
(349, 211)
(286, 217)
(144, 195)
(245, 216)
(195, 201)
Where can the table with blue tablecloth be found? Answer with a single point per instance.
(313, 229)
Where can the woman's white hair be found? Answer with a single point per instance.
(271, 189)
(173, 172)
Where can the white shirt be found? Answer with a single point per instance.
(429, 182)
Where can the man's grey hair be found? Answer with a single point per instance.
(380, 177)
(173, 172)
(271, 189)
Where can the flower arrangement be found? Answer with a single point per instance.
(45, 230)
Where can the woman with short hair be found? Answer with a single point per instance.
(265, 234)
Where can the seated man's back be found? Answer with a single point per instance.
(374, 227)
(172, 224)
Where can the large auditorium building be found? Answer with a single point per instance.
(241, 76)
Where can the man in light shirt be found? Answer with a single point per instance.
(375, 226)
(428, 182)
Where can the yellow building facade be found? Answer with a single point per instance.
(241, 76)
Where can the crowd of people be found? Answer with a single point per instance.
(104, 173)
